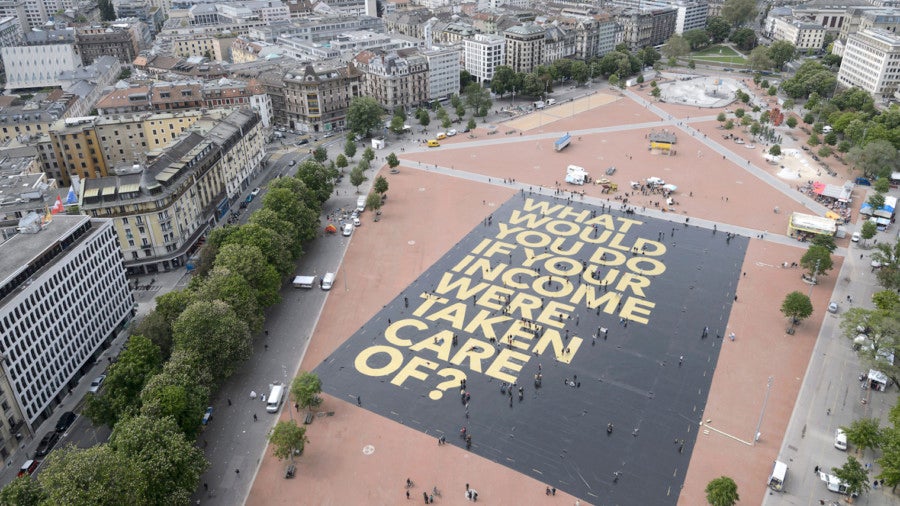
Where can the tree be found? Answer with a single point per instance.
(471, 124)
(697, 38)
(96, 475)
(775, 150)
(107, 10)
(854, 476)
(890, 455)
(350, 148)
(656, 93)
(23, 491)
(738, 12)
(465, 78)
(392, 160)
(876, 159)
(781, 52)
(320, 154)
(826, 241)
(341, 162)
(865, 433)
(614, 80)
(888, 255)
(504, 80)
(886, 300)
(373, 202)
(212, 331)
(232, 289)
(381, 185)
(811, 77)
(124, 381)
(317, 177)
(817, 261)
(357, 177)
(364, 115)
(868, 230)
(876, 200)
(718, 29)
(760, 59)
(791, 122)
(745, 38)
(721, 117)
(797, 307)
(169, 463)
(306, 388)
(478, 98)
(676, 47)
(397, 123)
(287, 438)
(424, 118)
(446, 122)
(728, 125)
(882, 185)
(368, 154)
(722, 491)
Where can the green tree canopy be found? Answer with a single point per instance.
(364, 115)
(676, 47)
(397, 123)
(796, 306)
(826, 241)
(722, 491)
(817, 261)
(738, 12)
(865, 433)
(286, 438)
(170, 464)
(306, 388)
(318, 178)
(232, 288)
(350, 148)
(250, 263)
(875, 159)
(781, 52)
(697, 38)
(381, 185)
(213, 332)
(888, 255)
(744, 38)
(23, 491)
(853, 475)
(320, 154)
(124, 381)
(760, 59)
(718, 29)
(357, 177)
(97, 476)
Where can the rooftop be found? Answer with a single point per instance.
(21, 250)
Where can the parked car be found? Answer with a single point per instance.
(451, 132)
(348, 229)
(302, 142)
(47, 443)
(840, 439)
(833, 307)
(255, 191)
(855, 237)
(28, 467)
(65, 420)
(95, 385)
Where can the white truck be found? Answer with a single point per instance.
(304, 281)
(361, 204)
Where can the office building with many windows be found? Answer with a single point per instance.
(871, 61)
(63, 298)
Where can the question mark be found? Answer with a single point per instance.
(456, 377)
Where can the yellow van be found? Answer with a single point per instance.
(433, 143)
(441, 136)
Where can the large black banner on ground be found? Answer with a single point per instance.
(546, 323)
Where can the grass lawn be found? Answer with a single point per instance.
(717, 50)
(739, 60)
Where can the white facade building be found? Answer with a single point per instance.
(871, 61)
(483, 54)
(63, 296)
(38, 66)
(803, 35)
(691, 15)
(443, 72)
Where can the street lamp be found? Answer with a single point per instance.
(763, 411)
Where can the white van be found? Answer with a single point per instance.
(327, 281)
(273, 401)
(304, 281)
(779, 473)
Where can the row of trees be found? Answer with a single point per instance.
(180, 354)
(870, 137)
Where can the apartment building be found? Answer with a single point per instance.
(120, 42)
(805, 36)
(871, 61)
(648, 27)
(443, 72)
(483, 54)
(64, 296)
(15, 9)
(34, 117)
(525, 47)
(161, 211)
(396, 78)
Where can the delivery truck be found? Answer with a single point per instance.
(361, 204)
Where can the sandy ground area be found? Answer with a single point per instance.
(357, 457)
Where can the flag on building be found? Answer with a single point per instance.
(72, 196)
(58, 207)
